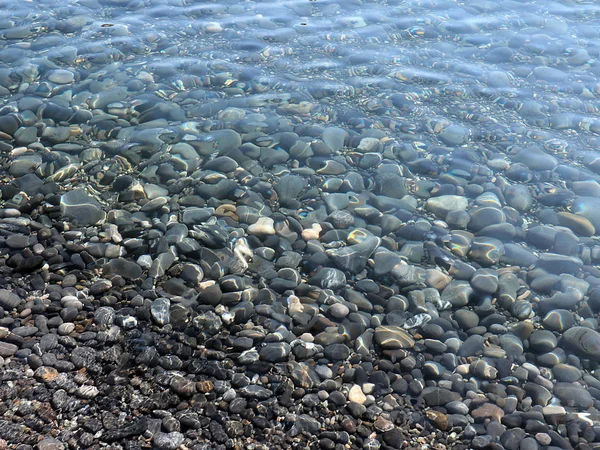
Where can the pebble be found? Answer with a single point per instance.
(443, 204)
(393, 337)
(585, 342)
(9, 300)
(81, 208)
(356, 395)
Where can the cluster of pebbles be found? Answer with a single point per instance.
(227, 260)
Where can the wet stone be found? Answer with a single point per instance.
(443, 204)
(558, 320)
(483, 217)
(585, 342)
(61, 76)
(519, 197)
(77, 206)
(486, 251)
(329, 278)
(566, 373)
(435, 396)
(120, 266)
(393, 337)
(336, 352)
(275, 352)
(457, 293)
(466, 319)
(485, 280)
(542, 341)
(573, 395)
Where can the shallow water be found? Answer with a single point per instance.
(449, 131)
(496, 76)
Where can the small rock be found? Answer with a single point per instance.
(356, 395)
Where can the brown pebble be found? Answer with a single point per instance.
(488, 411)
(46, 374)
(438, 419)
(204, 386)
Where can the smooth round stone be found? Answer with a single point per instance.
(511, 344)
(588, 188)
(552, 358)
(466, 319)
(486, 251)
(559, 264)
(573, 395)
(26, 135)
(518, 196)
(338, 310)
(566, 373)
(334, 137)
(454, 135)
(328, 278)
(354, 258)
(542, 341)
(517, 255)
(504, 232)
(535, 158)
(336, 352)
(485, 216)
(457, 293)
(356, 395)
(539, 394)
(585, 342)
(154, 204)
(458, 219)
(485, 280)
(336, 202)
(125, 268)
(588, 207)
(9, 125)
(576, 223)
(512, 438)
(77, 206)
(549, 74)
(64, 329)
(558, 320)
(275, 352)
(442, 205)
(437, 396)
(341, 219)
(24, 164)
(529, 443)
(61, 76)
(521, 310)
(392, 337)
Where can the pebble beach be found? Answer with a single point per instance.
(323, 224)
